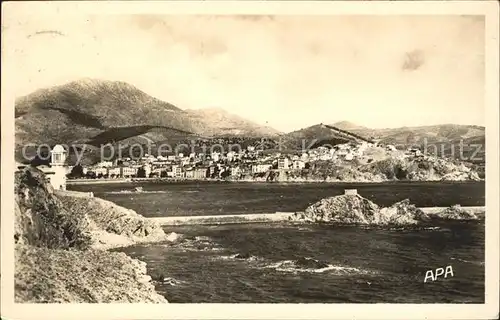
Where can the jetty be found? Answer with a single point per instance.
(263, 217)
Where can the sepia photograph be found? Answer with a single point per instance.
(246, 157)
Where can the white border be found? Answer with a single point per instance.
(489, 310)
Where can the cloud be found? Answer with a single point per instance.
(292, 71)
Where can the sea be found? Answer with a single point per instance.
(306, 263)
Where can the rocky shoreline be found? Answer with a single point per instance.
(61, 245)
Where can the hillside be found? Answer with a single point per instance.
(444, 139)
(311, 137)
(409, 135)
(223, 123)
(97, 112)
(61, 243)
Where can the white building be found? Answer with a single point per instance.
(298, 164)
(260, 168)
(230, 156)
(283, 163)
(128, 171)
(114, 171)
(177, 171)
(100, 171)
(215, 156)
(57, 171)
(105, 164)
(235, 171)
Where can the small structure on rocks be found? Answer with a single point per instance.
(350, 192)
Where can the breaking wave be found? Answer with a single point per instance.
(198, 243)
(134, 192)
(303, 264)
(170, 281)
(312, 266)
(481, 263)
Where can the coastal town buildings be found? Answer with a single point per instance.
(245, 164)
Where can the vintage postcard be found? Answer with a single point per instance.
(250, 160)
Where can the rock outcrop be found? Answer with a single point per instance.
(45, 275)
(112, 225)
(456, 213)
(57, 242)
(354, 209)
(349, 209)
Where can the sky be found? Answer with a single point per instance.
(288, 72)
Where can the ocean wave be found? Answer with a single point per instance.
(303, 264)
(134, 192)
(170, 281)
(481, 263)
(199, 243)
(292, 267)
(239, 256)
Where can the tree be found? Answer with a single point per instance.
(90, 175)
(141, 173)
(76, 172)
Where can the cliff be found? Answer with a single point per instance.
(59, 242)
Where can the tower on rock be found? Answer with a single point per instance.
(58, 167)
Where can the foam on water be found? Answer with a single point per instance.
(135, 192)
(290, 266)
(481, 263)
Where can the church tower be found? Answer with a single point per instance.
(58, 167)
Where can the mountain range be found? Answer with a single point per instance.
(96, 112)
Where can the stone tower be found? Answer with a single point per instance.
(58, 167)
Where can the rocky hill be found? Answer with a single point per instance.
(311, 137)
(444, 141)
(223, 123)
(60, 242)
(445, 138)
(97, 112)
(378, 164)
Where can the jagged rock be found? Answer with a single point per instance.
(243, 256)
(349, 209)
(456, 213)
(310, 263)
(400, 213)
(354, 209)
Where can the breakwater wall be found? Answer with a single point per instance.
(262, 217)
(76, 194)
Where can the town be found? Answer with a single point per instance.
(249, 164)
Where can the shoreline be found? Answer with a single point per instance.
(204, 181)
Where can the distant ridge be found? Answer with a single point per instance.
(223, 123)
(97, 112)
